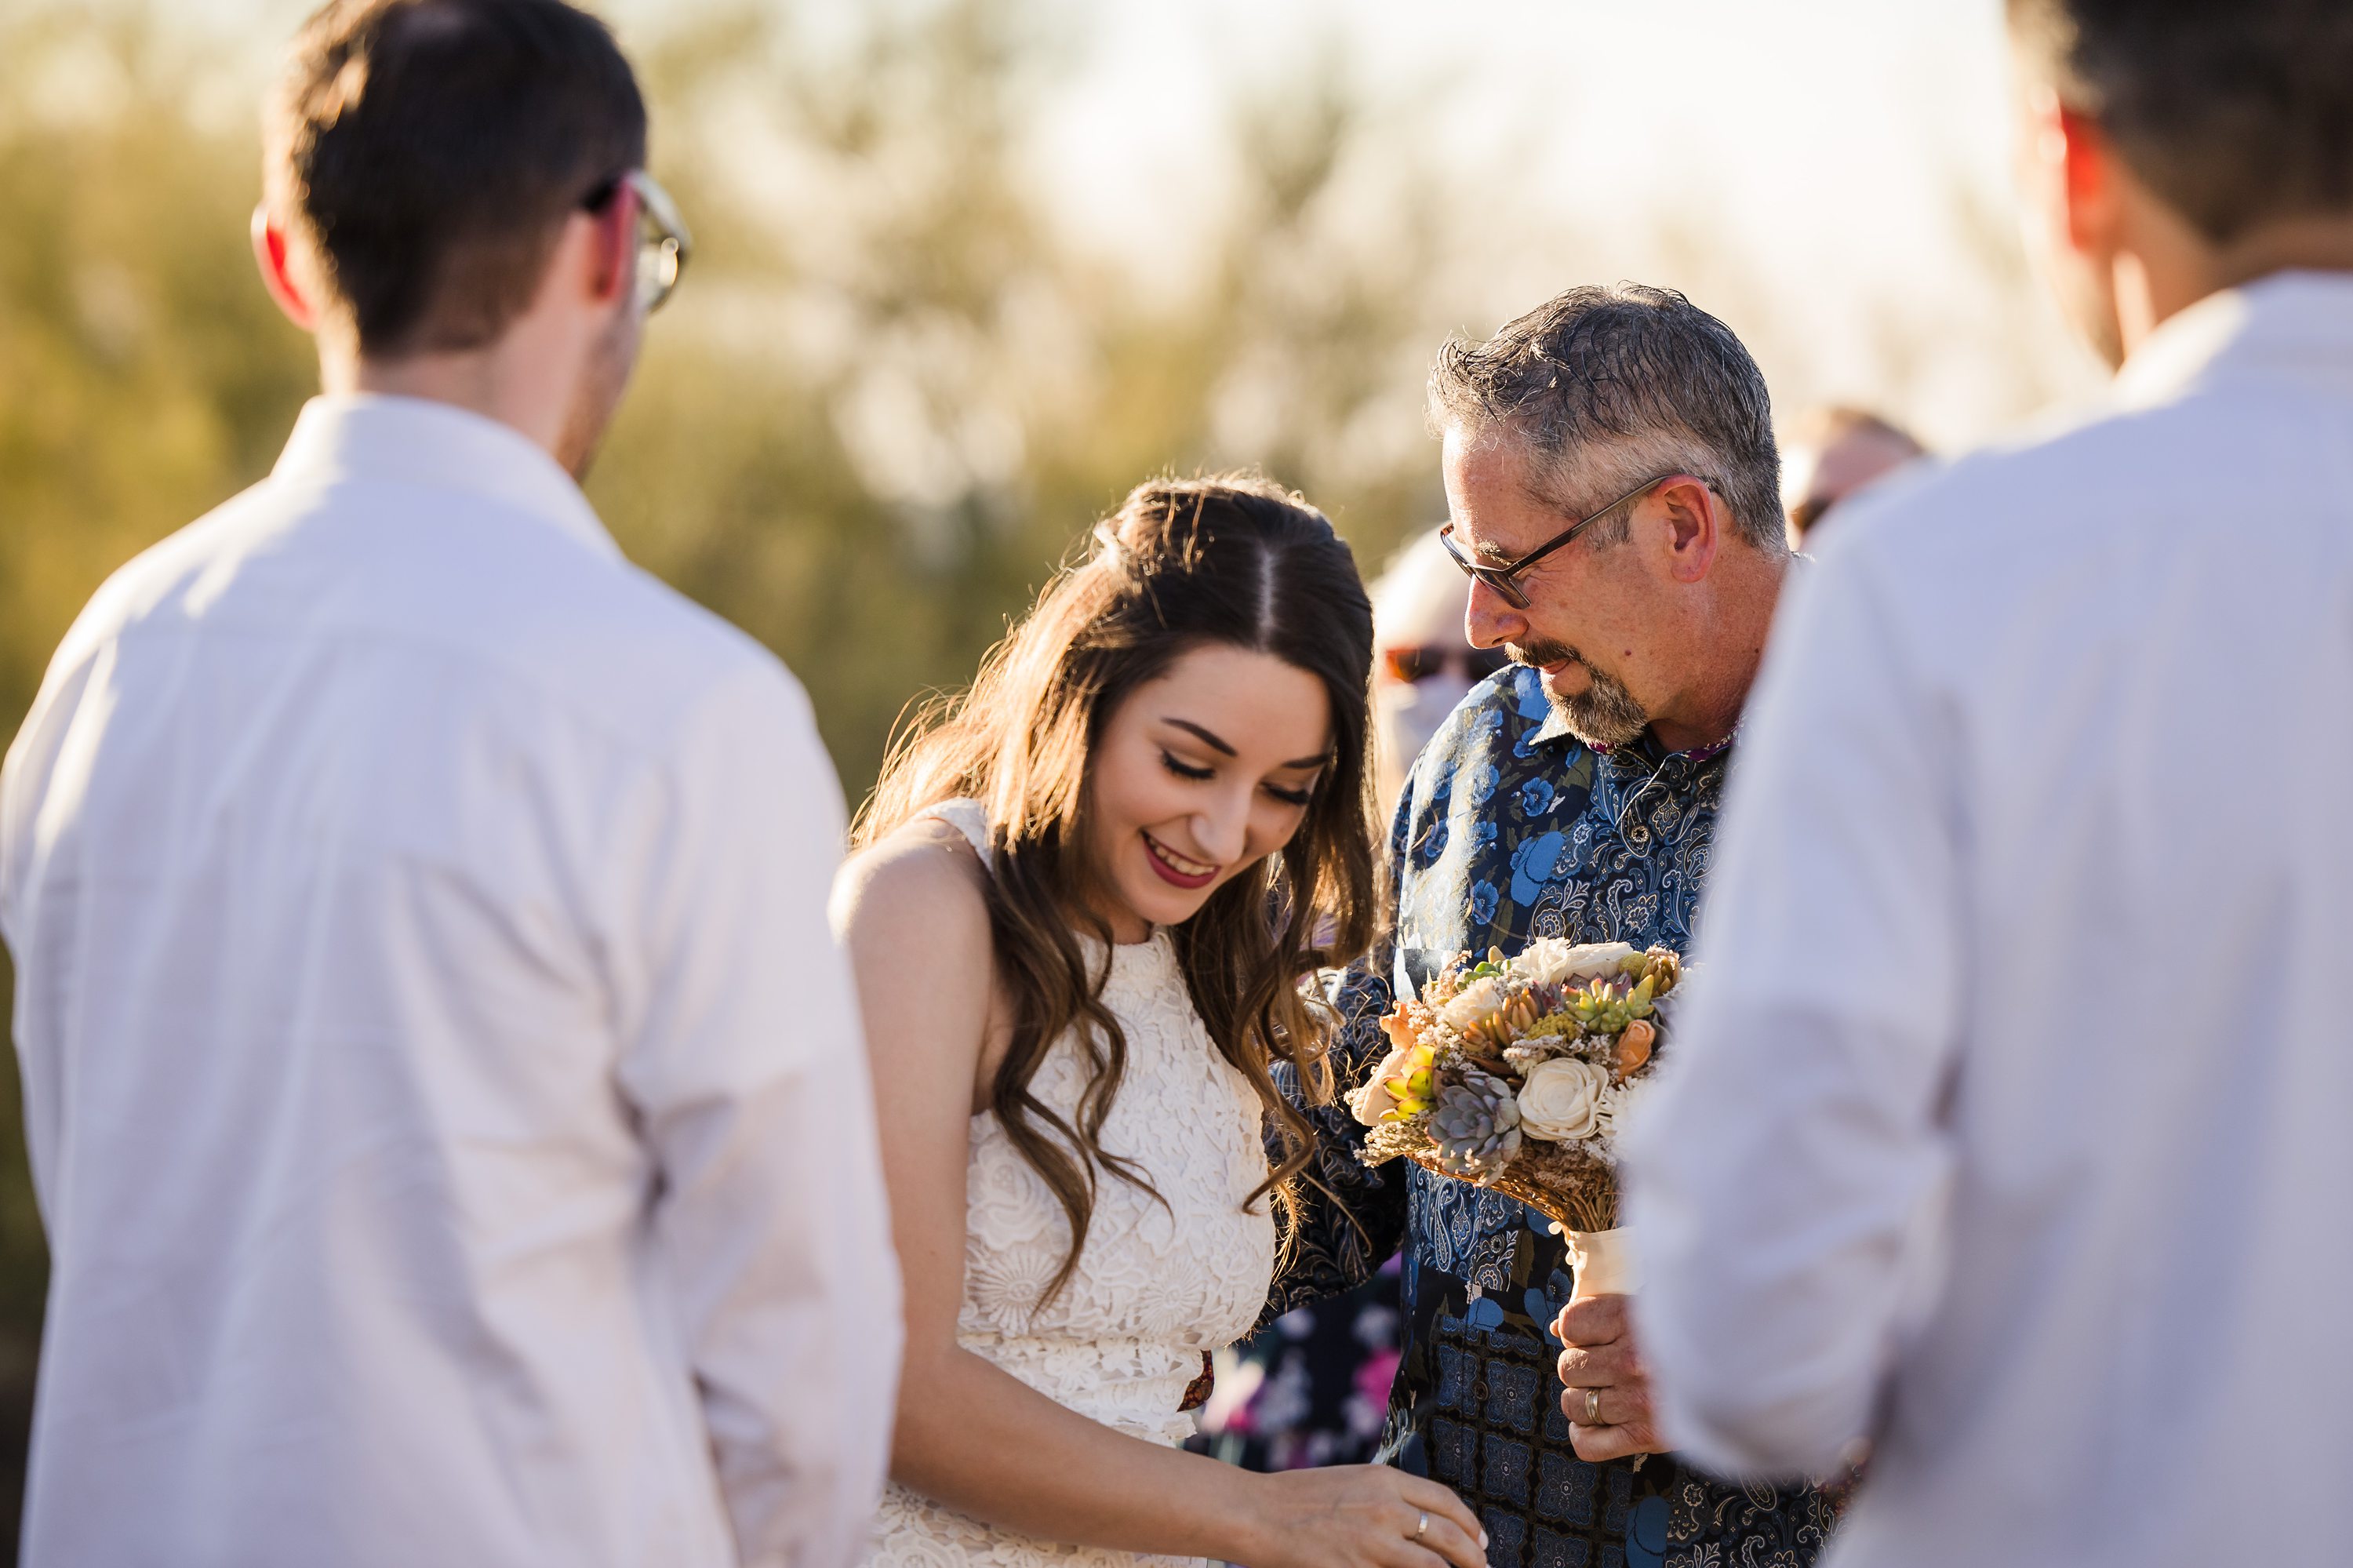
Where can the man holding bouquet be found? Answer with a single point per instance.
(1613, 487)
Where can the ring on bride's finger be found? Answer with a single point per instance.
(1420, 1529)
(1593, 1407)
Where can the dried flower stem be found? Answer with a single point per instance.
(1564, 1183)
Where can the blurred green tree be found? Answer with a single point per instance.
(893, 396)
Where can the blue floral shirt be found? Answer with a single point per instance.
(1510, 830)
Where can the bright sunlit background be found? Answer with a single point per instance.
(968, 268)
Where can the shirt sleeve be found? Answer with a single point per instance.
(1352, 1218)
(1786, 1173)
(749, 1070)
(28, 775)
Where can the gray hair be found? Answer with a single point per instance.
(1606, 387)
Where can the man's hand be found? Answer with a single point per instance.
(1601, 1374)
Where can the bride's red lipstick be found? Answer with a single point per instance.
(1153, 850)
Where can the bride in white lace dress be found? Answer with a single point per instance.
(1082, 899)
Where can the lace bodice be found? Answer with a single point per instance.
(1158, 1283)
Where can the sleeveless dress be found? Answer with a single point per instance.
(1154, 1287)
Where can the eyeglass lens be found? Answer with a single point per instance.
(657, 267)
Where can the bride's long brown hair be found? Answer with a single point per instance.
(1233, 560)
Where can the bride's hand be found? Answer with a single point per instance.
(1364, 1516)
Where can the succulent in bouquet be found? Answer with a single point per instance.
(1514, 1072)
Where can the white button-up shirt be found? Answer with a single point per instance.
(2010, 1125)
(446, 1099)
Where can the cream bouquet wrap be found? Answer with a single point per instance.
(1514, 1073)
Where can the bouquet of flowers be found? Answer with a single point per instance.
(1512, 1073)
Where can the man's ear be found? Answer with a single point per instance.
(613, 264)
(1695, 521)
(274, 256)
(2088, 175)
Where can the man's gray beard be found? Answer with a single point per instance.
(1604, 714)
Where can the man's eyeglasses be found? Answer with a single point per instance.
(663, 242)
(1504, 579)
(1408, 665)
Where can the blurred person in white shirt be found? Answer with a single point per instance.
(1834, 452)
(1423, 665)
(444, 1093)
(2009, 1130)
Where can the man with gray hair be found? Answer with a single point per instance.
(1613, 485)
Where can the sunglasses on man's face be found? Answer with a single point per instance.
(1412, 665)
(663, 242)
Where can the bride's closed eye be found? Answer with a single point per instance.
(1186, 771)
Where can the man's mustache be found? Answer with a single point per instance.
(1538, 655)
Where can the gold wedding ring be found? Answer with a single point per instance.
(1593, 1407)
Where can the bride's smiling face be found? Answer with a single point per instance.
(1198, 776)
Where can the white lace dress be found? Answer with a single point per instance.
(1155, 1288)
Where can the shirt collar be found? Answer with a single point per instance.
(439, 446)
(2282, 320)
(1554, 728)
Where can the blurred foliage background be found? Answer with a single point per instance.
(891, 394)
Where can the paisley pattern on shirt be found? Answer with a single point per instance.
(1510, 830)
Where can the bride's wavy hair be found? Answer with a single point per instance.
(1234, 560)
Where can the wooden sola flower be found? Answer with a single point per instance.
(1512, 1073)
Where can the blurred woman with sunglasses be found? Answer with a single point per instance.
(1426, 664)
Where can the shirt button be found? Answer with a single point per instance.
(1637, 835)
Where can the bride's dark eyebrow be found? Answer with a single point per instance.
(1211, 739)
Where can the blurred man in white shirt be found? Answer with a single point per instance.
(2009, 1130)
(444, 1095)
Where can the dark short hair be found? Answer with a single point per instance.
(2234, 112)
(1608, 380)
(428, 151)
